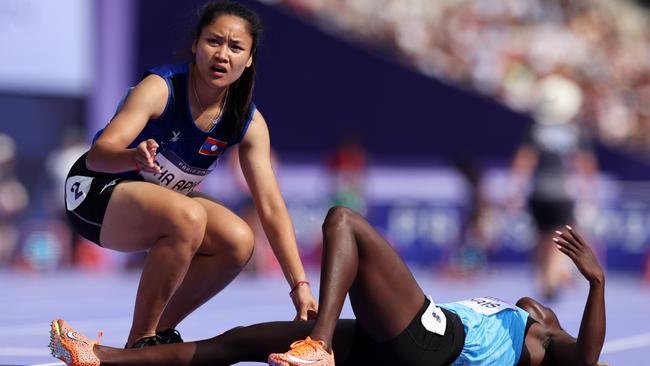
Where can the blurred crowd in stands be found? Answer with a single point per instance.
(501, 48)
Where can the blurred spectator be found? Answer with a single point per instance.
(346, 166)
(554, 151)
(470, 255)
(73, 144)
(500, 47)
(81, 252)
(13, 200)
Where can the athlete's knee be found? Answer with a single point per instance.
(339, 217)
(187, 223)
(237, 244)
(243, 242)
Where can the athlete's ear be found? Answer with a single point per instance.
(194, 43)
(250, 61)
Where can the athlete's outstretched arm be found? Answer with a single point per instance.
(586, 349)
(255, 160)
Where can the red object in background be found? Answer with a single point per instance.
(349, 157)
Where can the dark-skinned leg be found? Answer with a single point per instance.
(241, 344)
(357, 259)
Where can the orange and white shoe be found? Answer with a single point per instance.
(306, 352)
(71, 347)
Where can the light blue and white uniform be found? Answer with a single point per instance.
(494, 331)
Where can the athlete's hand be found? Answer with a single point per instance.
(145, 156)
(573, 245)
(305, 303)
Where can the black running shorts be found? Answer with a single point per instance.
(415, 346)
(551, 214)
(86, 197)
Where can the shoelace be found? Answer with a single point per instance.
(308, 342)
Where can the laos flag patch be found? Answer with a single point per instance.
(212, 147)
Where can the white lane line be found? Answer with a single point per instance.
(627, 343)
(36, 329)
(24, 351)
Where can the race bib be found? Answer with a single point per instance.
(487, 305)
(76, 190)
(434, 319)
(175, 174)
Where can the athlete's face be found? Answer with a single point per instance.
(223, 50)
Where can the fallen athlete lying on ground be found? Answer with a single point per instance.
(395, 322)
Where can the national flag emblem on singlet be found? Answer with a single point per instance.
(212, 147)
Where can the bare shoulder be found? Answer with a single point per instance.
(150, 96)
(532, 307)
(257, 132)
(539, 312)
(258, 118)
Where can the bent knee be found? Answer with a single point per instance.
(187, 222)
(242, 243)
(237, 244)
(339, 217)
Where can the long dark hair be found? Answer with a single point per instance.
(240, 93)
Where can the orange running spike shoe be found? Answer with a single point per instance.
(307, 352)
(71, 347)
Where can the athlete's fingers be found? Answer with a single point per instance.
(566, 236)
(154, 170)
(563, 244)
(565, 248)
(152, 144)
(148, 157)
(152, 147)
(147, 165)
(303, 313)
(570, 240)
(577, 236)
(143, 152)
(142, 157)
(312, 314)
(567, 252)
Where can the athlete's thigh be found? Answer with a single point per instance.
(139, 213)
(224, 227)
(384, 296)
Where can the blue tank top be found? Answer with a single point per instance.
(494, 331)
(186, 154)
